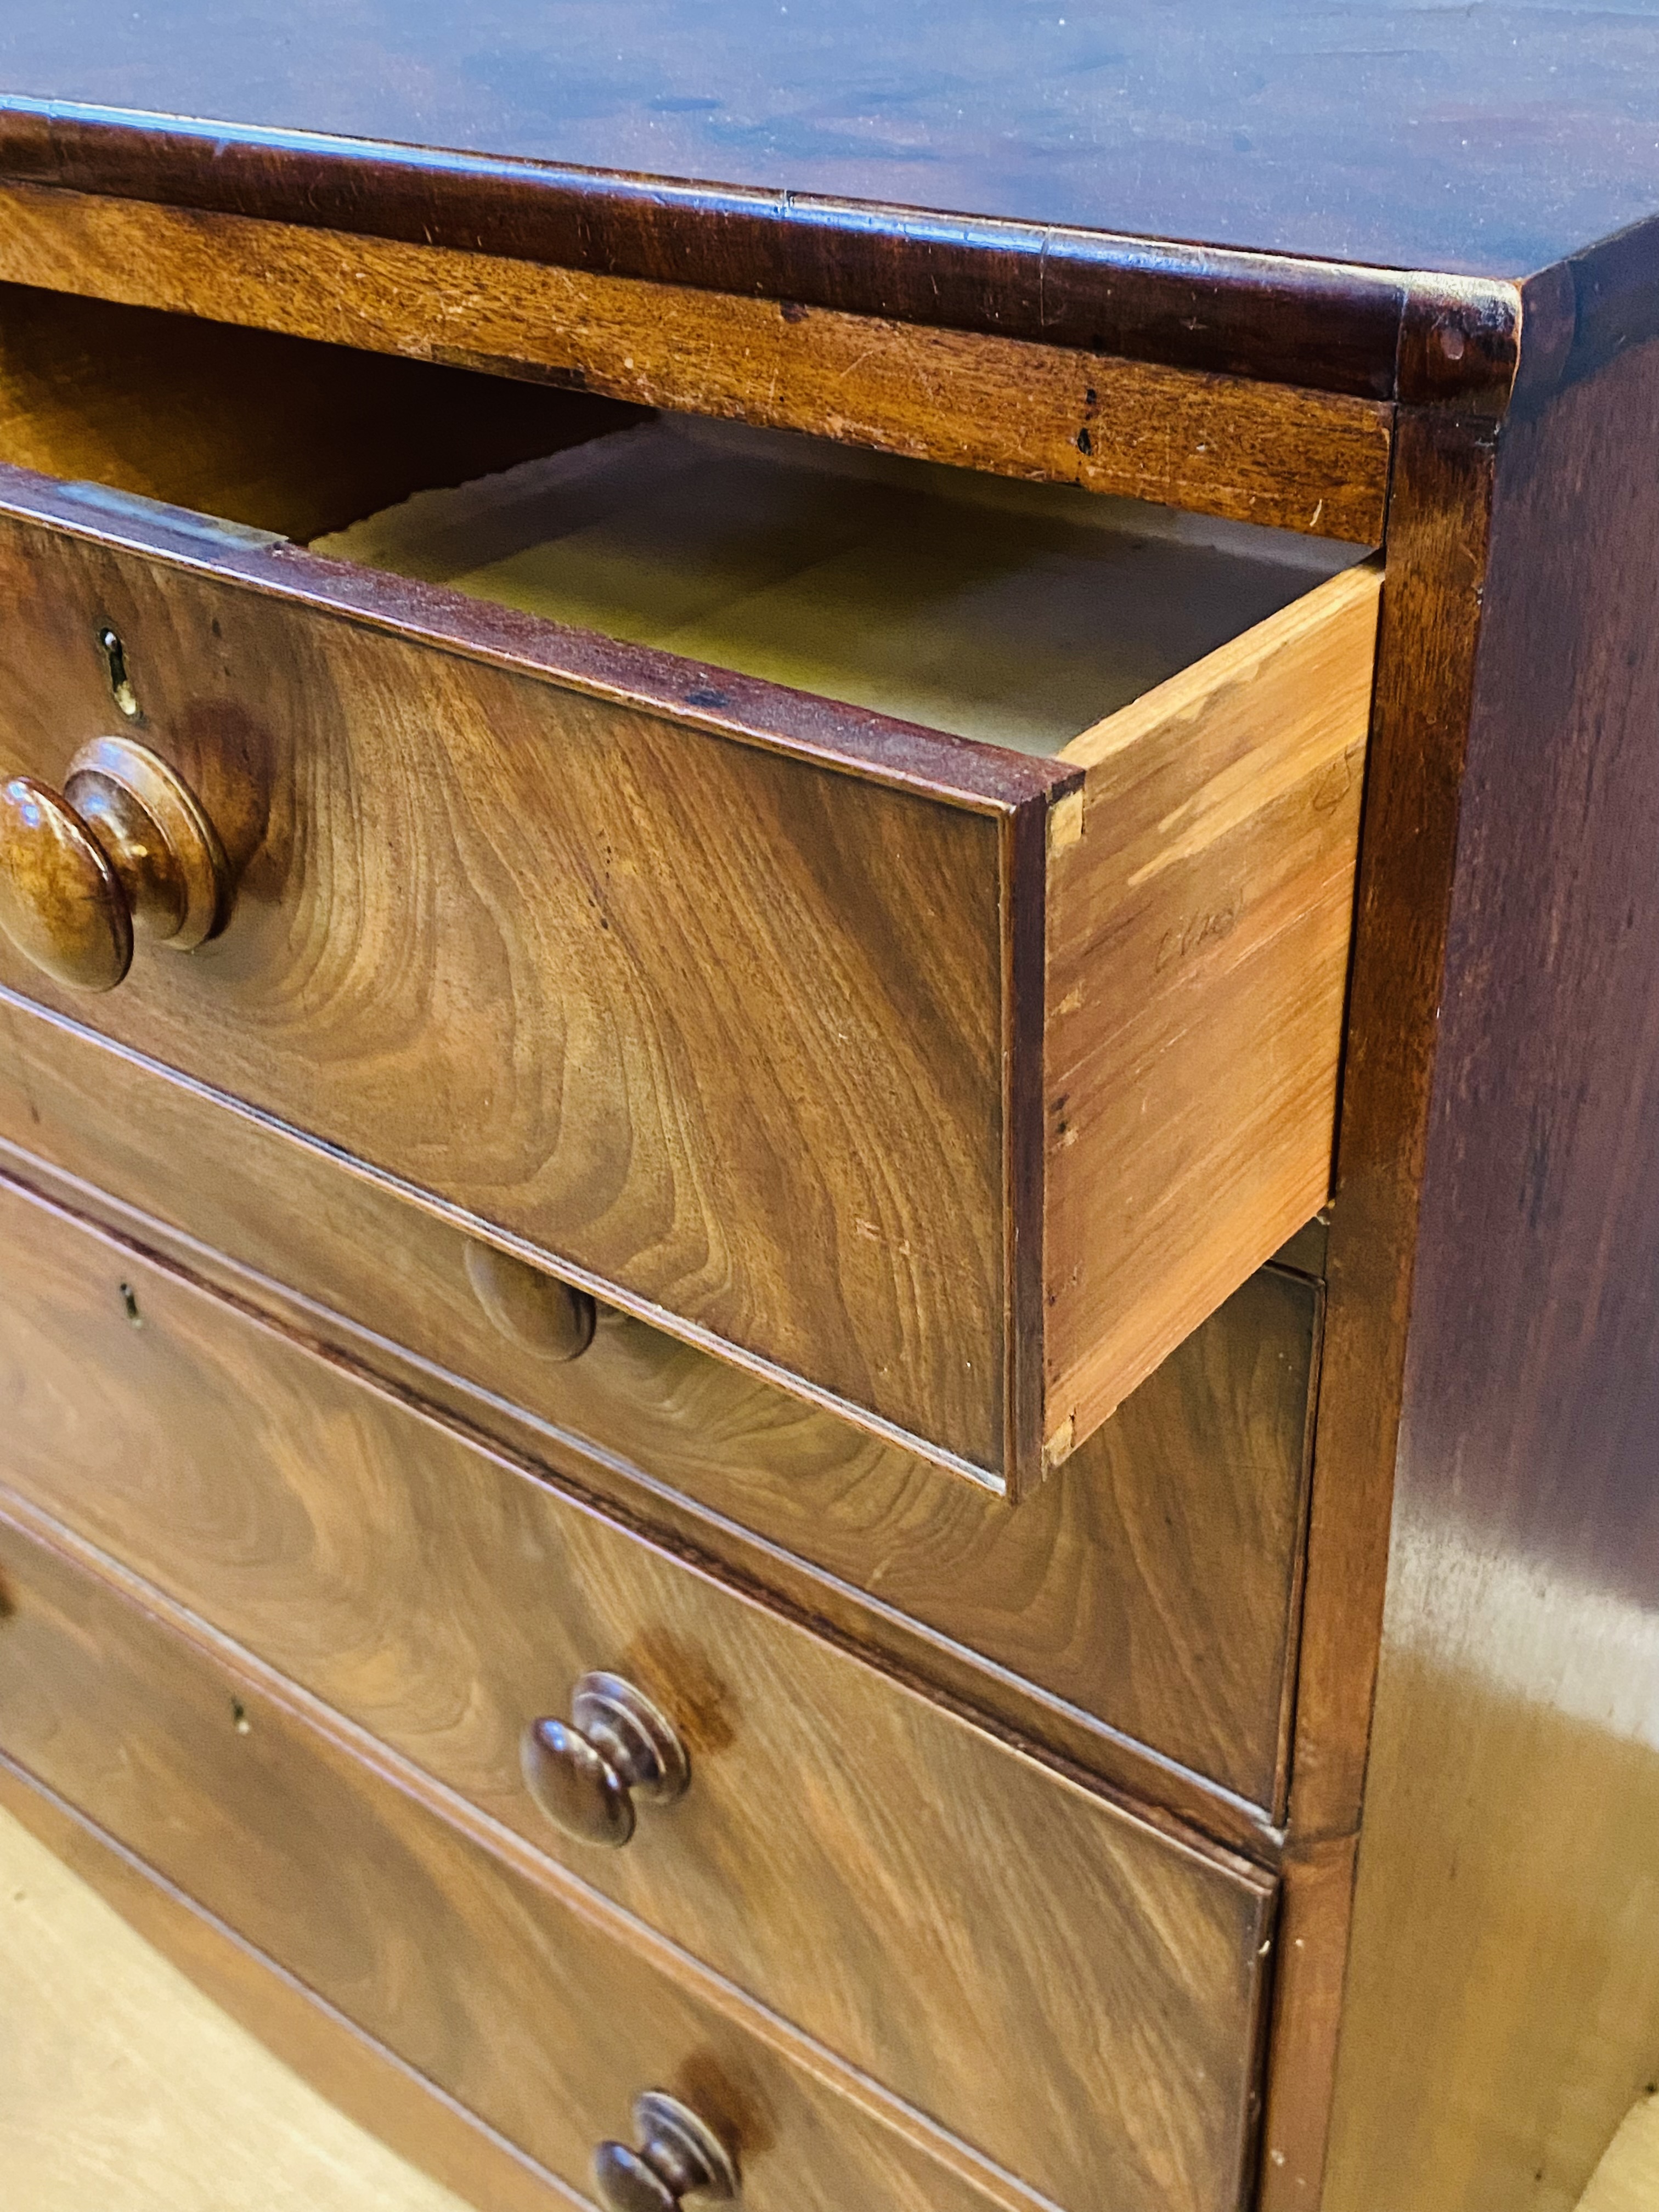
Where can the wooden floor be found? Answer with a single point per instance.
(123, 2089)
(1627, 2179)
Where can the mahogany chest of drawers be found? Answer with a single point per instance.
(830, 1083)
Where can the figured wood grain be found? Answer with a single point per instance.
(1201, 906)
(359, 2077)
(1259, 453)
(511, 1987)
(123, 2083)
(1146, 1591)
(837, 1821)
(62, 904)
(627, 981)
(1506, 1887)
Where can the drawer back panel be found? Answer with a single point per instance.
(278, 434)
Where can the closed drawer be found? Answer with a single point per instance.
(1148, 1589)
(948, 1084)
(919, 1894)
(541, 2011)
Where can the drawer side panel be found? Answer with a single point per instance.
(1200, 920)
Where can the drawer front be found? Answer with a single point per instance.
(719, 1027)
(917, 1893)
(512, 1990)
(1150, 1585)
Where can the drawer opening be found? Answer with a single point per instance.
(279, 433)
(1015, 613)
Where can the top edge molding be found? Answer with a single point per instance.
(1375, 333)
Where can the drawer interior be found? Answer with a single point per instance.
(1018, 614)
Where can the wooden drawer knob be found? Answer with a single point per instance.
(125, 847)
(585, 1772)
(535, 1310)
(678, 2154)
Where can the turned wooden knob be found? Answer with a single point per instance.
(535, 1310)
(678, 2154)
(126, 847)
(585, 1772)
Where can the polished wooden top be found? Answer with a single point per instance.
(1490, 142)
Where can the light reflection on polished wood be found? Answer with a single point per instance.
(517, 1990)
(509, 981)
(625, 1005)
(1502, 2008)
(124, 848)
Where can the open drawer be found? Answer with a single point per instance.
(947, 1081)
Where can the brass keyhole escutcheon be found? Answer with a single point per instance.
(124, 848)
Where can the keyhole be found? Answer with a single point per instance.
(130, 1305)
(120, 686)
